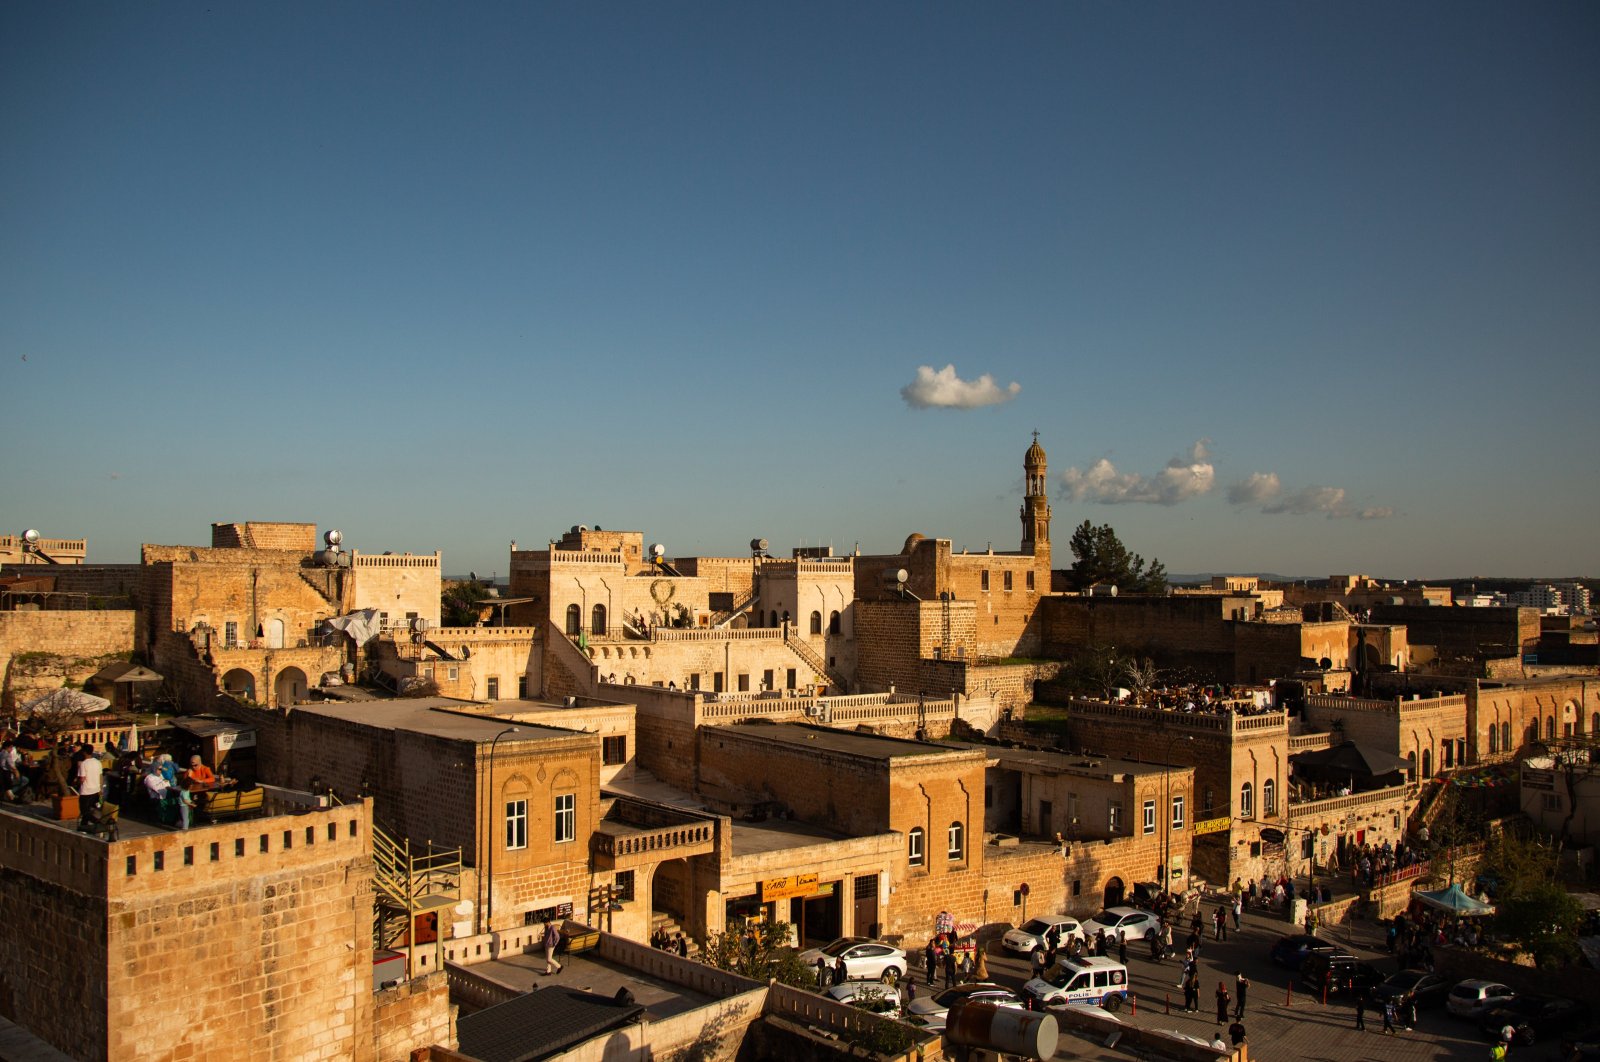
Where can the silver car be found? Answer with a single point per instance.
(931, 1012)
(868, 995)
(1030, 936)
(1470, 999)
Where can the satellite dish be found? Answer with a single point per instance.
(31, 537)
(657, 550)
(583, 527)
(422, 623)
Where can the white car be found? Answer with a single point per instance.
(868, 995)
(931, 1012)
(1470, 999)
(1095, 981)
(1030, 936)
(864, 959)
(1123, 922)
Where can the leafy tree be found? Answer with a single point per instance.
(461, 604)
(1102, 558)
(760, 953)
(1532, 908)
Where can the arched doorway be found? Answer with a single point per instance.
(290, 686)
(239, 683)
(670, 889)
(1114, 892)
(274, 633)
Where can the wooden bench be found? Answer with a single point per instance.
(579, 937)
(221, 804)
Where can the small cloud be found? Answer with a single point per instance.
(1266, 490)
(945, 390)
(1186, 476)
(1258, 488)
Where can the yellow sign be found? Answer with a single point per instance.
(1212, 825)
(786, 887)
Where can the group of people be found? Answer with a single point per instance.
(1206, 700)
(168, 790)
(1369, 862)
(67, 768)
(676, 943)
(959, 962)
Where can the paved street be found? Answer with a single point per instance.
(1278, 1028)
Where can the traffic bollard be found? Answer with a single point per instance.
(1169, 1002)
(1288, 995)
(1135, 997)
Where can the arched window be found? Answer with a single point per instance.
(1427, 763)
(597, 623)
(1411, 771)
(958, 842)
(1594, 723)
(816, 623)
(1505, 736)
(1494, 738)
(1269, 797)
(914, 847)
(1550, 728)
(1247, 801)
(574, 620)
(834, 624)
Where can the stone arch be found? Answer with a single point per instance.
(1427, 763)
(597, 620)
(574, 620)
(1115, 889)
(816, 623)
(835, 624)
(566, 778)
(239, 683)
(289, 687)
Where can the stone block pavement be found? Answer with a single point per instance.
(1280, 1026)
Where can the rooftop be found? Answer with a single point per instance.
(440, 717)
(843, 742)
(1044, 761)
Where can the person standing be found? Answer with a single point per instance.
(1222, 1003)
(185, 804)
(1166, 939)
(1361, 1010)
(1238, 911)
(949, 968)
(1122, 948)
(86, 776)
(1241, 988)
(841, 973)
(822, 973)
(930, 960)
(1388, 1016)
(1191, 991)
(981, 969)
(552, 939)
(1236, 1033)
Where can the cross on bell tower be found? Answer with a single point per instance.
(1035, 503)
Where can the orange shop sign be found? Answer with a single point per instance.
(786, 887)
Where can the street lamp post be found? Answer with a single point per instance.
(486, 882)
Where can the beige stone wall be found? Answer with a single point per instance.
(60, 550)
(414, 1014)
(397, 584)
(256, 534)
(740, 658)
(39, 651)
(253, 589)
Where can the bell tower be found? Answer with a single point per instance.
(1035, 503)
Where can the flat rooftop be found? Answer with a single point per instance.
(437, 717)
(1069, 763)
(843, 742)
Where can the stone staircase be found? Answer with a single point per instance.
(816, 662)
(663, 920)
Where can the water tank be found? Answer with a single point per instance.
(657, 550)
(895, 576)
(759, 545)
(1031, 1034)
(333, 536)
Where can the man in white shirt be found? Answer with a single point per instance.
(86, 778)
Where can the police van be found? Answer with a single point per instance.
(1094, 981)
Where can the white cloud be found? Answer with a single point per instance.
(1258, 488)
(945, 390)
(1186, 476)
(1266, 490)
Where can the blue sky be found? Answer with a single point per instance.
(445, 276)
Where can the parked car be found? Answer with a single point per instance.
(1531, 1017)
(1341, 975)
(931, 1012)
(1470, 999)
(1095, 981)
(1119, 922)
(1030, 936)
(1295, 948)
(1582, 1044)
(864, 958)
(869, 996)
(1425, 989)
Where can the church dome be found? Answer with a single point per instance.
(1035, 454)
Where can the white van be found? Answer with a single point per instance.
(1095, 981)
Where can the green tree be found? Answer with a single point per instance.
(760, 953)
(1097, 671)
(461, 604)
(1102, 558)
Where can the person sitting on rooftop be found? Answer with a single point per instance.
(156, 786)
(200, 776)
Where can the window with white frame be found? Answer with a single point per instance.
(958, 842)
(1114, 816)
(566, 817)
(516, 824)
(1247, 801)
(1149, 816)
(1177, 812)
(1269, 797)
(914, 847)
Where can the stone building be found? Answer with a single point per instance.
(1430, 732)
(241, 940)
(18, 550)
(1504, 716)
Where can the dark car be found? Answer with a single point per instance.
(1424, 988)
(1339, 975)
(1582, 1044)
(1295, 948)
(1531, 1018)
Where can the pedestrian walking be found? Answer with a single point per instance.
(1238, 911)
(949, 968)
(1122, 948)
(1191, 991)
(1222, 1003)
(841, 972)
(552, 938)
(1236, 1033)
(1388, 1016)
(1408, 1013)
(822, 972)
(981, 970)
(1241, 988)
(1361, 1010)
(930, 956)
